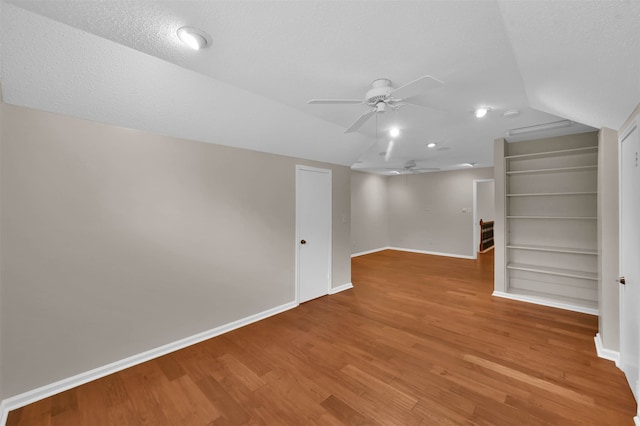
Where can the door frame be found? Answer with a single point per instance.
(300, 167)
(476, 225)
(633, 126)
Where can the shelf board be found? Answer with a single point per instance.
(553, 271)
(552, 249)
(553, 170)
(554, 153)
(546, 194)
(553, 217)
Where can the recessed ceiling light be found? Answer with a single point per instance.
(394, 132)
(194, 38)
(481, 112)
(431, 145)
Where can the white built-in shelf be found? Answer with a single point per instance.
(553, 249)
(554, 170)
(551, 188)
(546, 194)
(553, 217)
(554, 153)
(553, 271)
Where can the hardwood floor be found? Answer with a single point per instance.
(418, 341)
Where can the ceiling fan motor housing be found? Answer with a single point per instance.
(379, 91)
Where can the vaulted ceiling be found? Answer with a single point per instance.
(120, 62)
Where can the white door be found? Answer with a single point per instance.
(630, 258)
(313, 229)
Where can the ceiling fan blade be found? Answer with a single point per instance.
(416, 87)
(360, 121)
(387, 154)
(335, 101)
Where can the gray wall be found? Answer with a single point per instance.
(425, 210)
(499, 232)
(486, 201)
(415, 211)
(370, 221)
(1, 314)
(608, 241)
(117, 241)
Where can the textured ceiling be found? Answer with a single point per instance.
(120, 62)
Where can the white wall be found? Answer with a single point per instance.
(117, 241)
(370, 219)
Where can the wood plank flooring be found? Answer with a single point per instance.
(418, 341)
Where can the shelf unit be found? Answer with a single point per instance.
(551, 220)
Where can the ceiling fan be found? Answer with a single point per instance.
(412, 167)
(382, 96)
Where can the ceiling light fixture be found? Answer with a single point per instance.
(431, 145)
(394, 132)
(481, 112)
(540, 127)
(194, 38)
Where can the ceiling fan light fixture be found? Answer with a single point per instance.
(482, 111)
(194, 37)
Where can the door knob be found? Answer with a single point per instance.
(621, 280)
(303, 241)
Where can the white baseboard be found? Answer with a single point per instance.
(636, 420)
(46, 391)
(606, 353)
(340, 288)
(546, 302)
(435, 253)
(362, 253)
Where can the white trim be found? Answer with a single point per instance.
(636, 420)
(340, 288)
(435, 253)
(362, 253)
(606, 353)
(4, 412)
(546, 302)
(51, 389)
